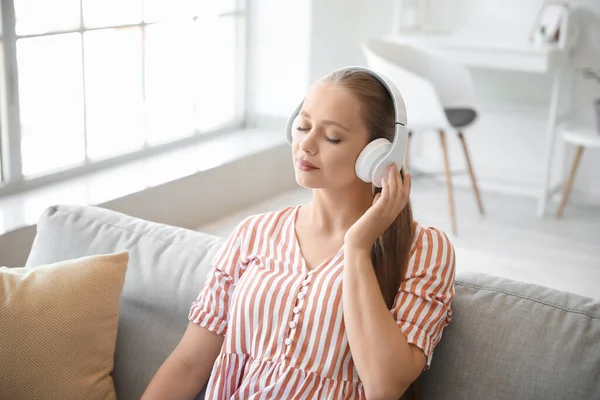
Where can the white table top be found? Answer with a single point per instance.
(488, 50)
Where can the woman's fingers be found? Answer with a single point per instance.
(393, 184)
(385, 190)
(395, 192)
(399, 191)
(408, 186)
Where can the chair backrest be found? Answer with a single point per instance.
(429, 81)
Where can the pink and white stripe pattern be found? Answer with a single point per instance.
(282, 323)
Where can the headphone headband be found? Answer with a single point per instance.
(380, 152)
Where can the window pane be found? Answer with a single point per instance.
(161, 10)
(215, 71)
(170, 73)
(113, 85)
(1, 133)
(39, 16)
(99, 13)
(51, 102)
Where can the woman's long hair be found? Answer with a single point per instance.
(391, 251)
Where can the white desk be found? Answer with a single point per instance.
(514, 53)
(487, 50)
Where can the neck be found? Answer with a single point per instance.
(335, 210)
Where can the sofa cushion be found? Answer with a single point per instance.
(516, 341)
(167, 267)
(59, 327)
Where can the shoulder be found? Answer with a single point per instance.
(430, 236)
(431, 248)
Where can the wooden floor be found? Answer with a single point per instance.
(509, 241)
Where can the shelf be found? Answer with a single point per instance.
(486, 50)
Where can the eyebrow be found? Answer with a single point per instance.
(326, 121)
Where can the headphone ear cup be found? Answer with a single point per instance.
(369, 158)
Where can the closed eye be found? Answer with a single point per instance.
(330, 140)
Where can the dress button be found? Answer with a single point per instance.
(300, 295)
(292, 324)
(288, 341)
(296, 310)
(282, 357)
(312, 271)
(305, 282)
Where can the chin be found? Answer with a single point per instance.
(309, 183)
(318, 182)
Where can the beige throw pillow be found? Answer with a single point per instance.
(58, 328)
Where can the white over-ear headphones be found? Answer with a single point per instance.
(374, 160)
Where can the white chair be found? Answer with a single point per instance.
(581, 137)
(438, 93)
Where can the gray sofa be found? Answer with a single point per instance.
(507, 340)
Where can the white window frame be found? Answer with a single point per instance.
(13, 180)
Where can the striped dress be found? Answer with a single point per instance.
(282, 323)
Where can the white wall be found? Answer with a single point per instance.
(278, 46)
(339, 26)
(291, 44)
(294, 44)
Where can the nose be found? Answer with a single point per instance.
(307, 141)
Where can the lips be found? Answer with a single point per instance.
(305, 165)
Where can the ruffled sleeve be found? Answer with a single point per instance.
(210, 309)
(422, 306)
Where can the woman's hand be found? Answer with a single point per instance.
(386, 206)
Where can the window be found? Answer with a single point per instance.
(99, 79)
(3, 139)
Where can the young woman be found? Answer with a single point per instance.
(341, 298)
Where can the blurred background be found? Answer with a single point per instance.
(174, 111)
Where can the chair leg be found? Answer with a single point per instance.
(471, 173)
(569, 184)
(448, 182)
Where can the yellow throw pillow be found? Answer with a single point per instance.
(58, 328)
